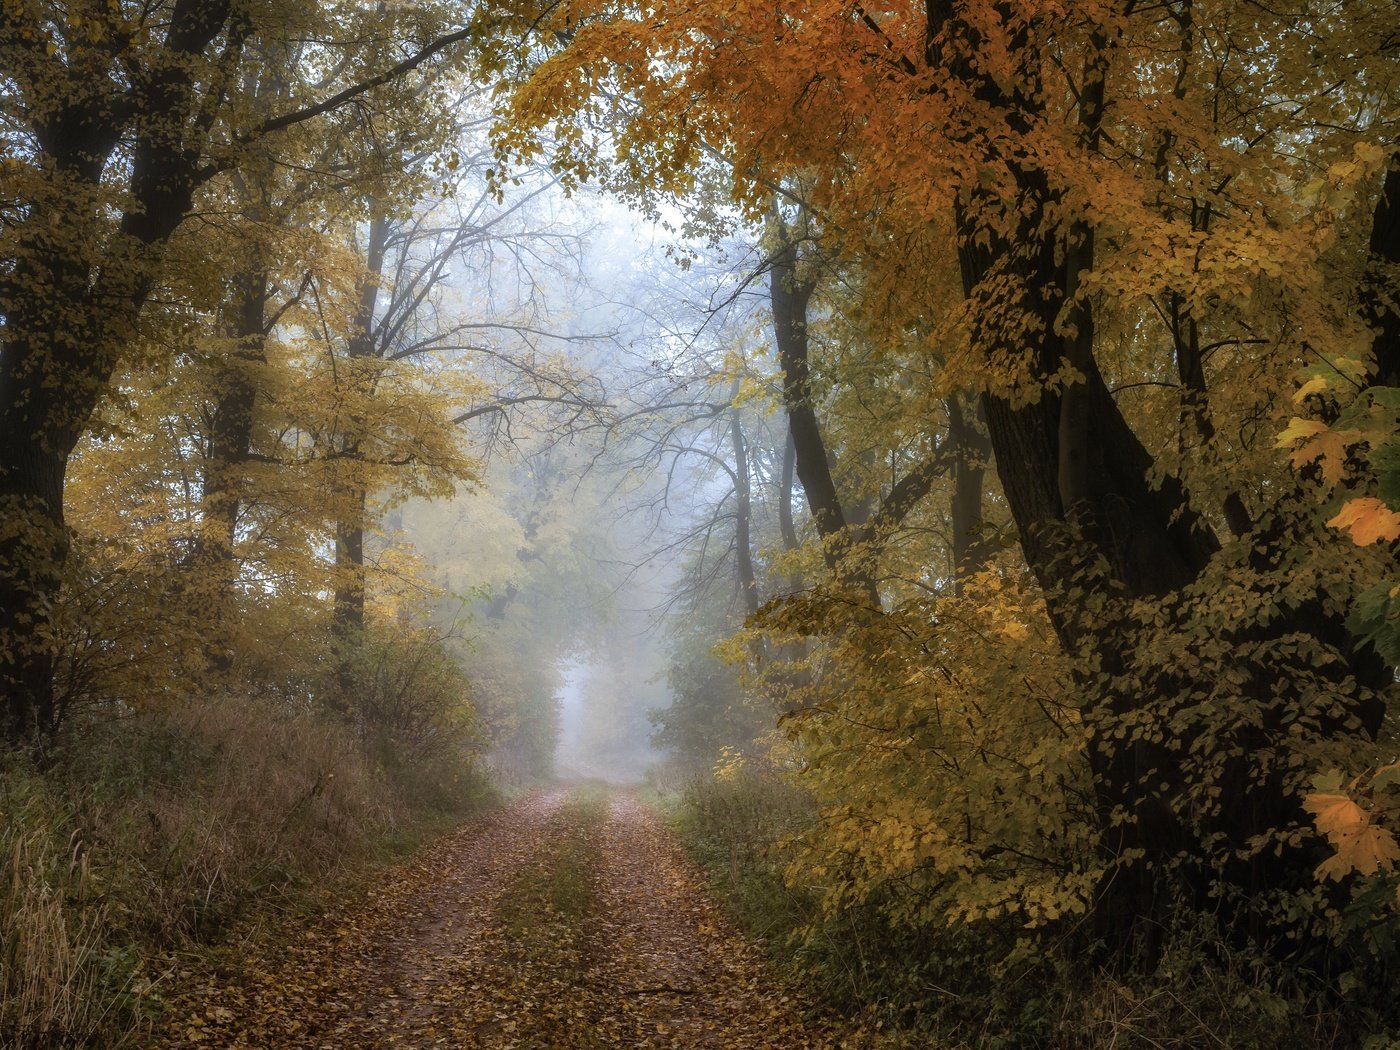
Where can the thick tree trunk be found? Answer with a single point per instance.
(56, 360)
(1380, 305)
(51, 369)
(32, 551)
(69, 311)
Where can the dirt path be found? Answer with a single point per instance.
(561, 921)
(677, 972)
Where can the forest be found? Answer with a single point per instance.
(700, 523)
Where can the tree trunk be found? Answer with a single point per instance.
(69, 311)
(349, 609)
(789, 294)
(57, 358)
(32, 551)
(743, 514)
(225, 466)
(853, 537)
(971, 450)
(786, 527)
(1380, 305)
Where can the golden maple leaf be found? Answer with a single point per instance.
(1369, 520)
(1361, 846)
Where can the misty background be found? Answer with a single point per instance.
(595, 555)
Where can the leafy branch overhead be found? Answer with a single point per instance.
(1067, 227)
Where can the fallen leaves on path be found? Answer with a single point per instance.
(670, 966)
(472, 945)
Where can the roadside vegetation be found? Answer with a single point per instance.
(136, 846)
(900, 987)
(227, 377)
(991, 408)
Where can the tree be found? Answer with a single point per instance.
(207, 482)
(1120, 224)
(400, 315)
(854, 532)
(120, 116)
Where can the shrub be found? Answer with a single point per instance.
(901, 984)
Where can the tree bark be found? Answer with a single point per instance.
(1100, 535)
(789, 294)
(743, 515)
(972, 451)
(852, 537)
(226, 461)
(786, 527)
(1380, 306)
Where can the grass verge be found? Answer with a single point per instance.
(549, 901)
(141, 842)
(546, 916)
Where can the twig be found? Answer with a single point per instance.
(661, 989)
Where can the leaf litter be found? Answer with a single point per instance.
(549, 923)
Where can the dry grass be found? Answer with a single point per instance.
(1194, 1004)
(270, 801)
(156, 835)
(51, 934)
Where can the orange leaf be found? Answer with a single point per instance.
(1369, 850)
(1335, 814)
(1369, 520)
(1361, 846)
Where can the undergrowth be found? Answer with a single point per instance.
(903, 986)
(133, 842)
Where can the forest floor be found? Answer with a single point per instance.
(569, 919)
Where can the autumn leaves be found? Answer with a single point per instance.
(1106, 229)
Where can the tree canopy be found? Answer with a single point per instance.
(1146, 246)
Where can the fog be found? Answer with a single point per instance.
(593, 331)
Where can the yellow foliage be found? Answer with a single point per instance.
(729, 765)
(944, 748)
(1313, 441)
